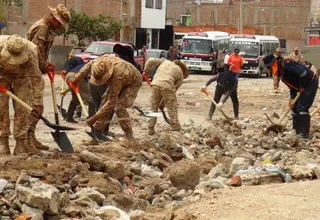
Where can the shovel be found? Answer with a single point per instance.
(33, 111)
(60, 138)
(62, 111)
(148, 114)
(97, 136)
(278, 127)
(209, 96)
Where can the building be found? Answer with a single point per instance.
(285, 19)
(133, 14)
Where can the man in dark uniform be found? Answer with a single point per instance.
(299, 79)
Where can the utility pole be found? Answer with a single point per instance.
(64, 33)
(121, 20)
(241, 17)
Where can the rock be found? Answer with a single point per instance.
(277, 156)
(114, 169)
(71, 211)
(260, 178)
(10, 186)
(96, 162)
(216, 171)
(236, 180)
(3, 184)
(239, 163)
(126, 203)
(184, 174)
(23, 178)
(36, 214)
(300, 172)
(316, 171)
(211, 184)
(41, 196)
(37, 174)
(92, 194)
(181, 194)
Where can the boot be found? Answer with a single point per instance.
(236, 110)
(32, 141)
(295, 126)
(129, 134)
(151, 131)
(20, 146)
(72, 107)
(211, 112)
(304, 125)
(92, 110)
(4, 146)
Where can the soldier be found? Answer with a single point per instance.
(274, 70)
(41, 35)
(123, 81)
(296, 56)
(19, 70)
(299, 79)
(72, 66)
(166, 81)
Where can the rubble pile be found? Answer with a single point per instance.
(150, 179)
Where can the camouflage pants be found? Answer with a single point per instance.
(37, 97)
(83, 90)
(276, 81)
(126, 99)
(170, 102)
(22, 89)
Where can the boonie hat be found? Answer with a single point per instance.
(62, 14)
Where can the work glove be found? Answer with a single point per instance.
(203, 87)
(219, 105)
(50, 67)
(92, 120)
(37, 110)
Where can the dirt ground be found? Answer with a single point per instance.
(284, 201)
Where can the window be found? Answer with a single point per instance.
(149, 3)
(159, 4)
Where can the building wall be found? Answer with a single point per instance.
(153, 18)
(19, 19)
(282, 18)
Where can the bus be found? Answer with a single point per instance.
(252, 49)
(204, 51)
(311, 47)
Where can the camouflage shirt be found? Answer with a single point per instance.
(298, 58)
(168, 74)
(41, 35)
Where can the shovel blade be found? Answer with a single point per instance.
(276, 128)
(62, 141)
(98, 136)
(62, 111)
(55, 126)
(153, 114)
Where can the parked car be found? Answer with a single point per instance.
(156, 53)
(75, 51)
(99, 48)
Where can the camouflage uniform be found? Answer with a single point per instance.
(298, 58)
(124, 82)
(22, 76)
(41, 35)
(166, 81)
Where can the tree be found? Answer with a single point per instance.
(91, 27)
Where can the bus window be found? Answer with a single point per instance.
(266, 47)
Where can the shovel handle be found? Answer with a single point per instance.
(82, 105)
(288, 109)
(314, 112)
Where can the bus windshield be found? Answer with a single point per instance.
(197, 46)
(247, 49)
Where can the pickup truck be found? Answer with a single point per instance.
(99, 48)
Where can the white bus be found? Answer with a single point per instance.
(204, 51)
(252, 49)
